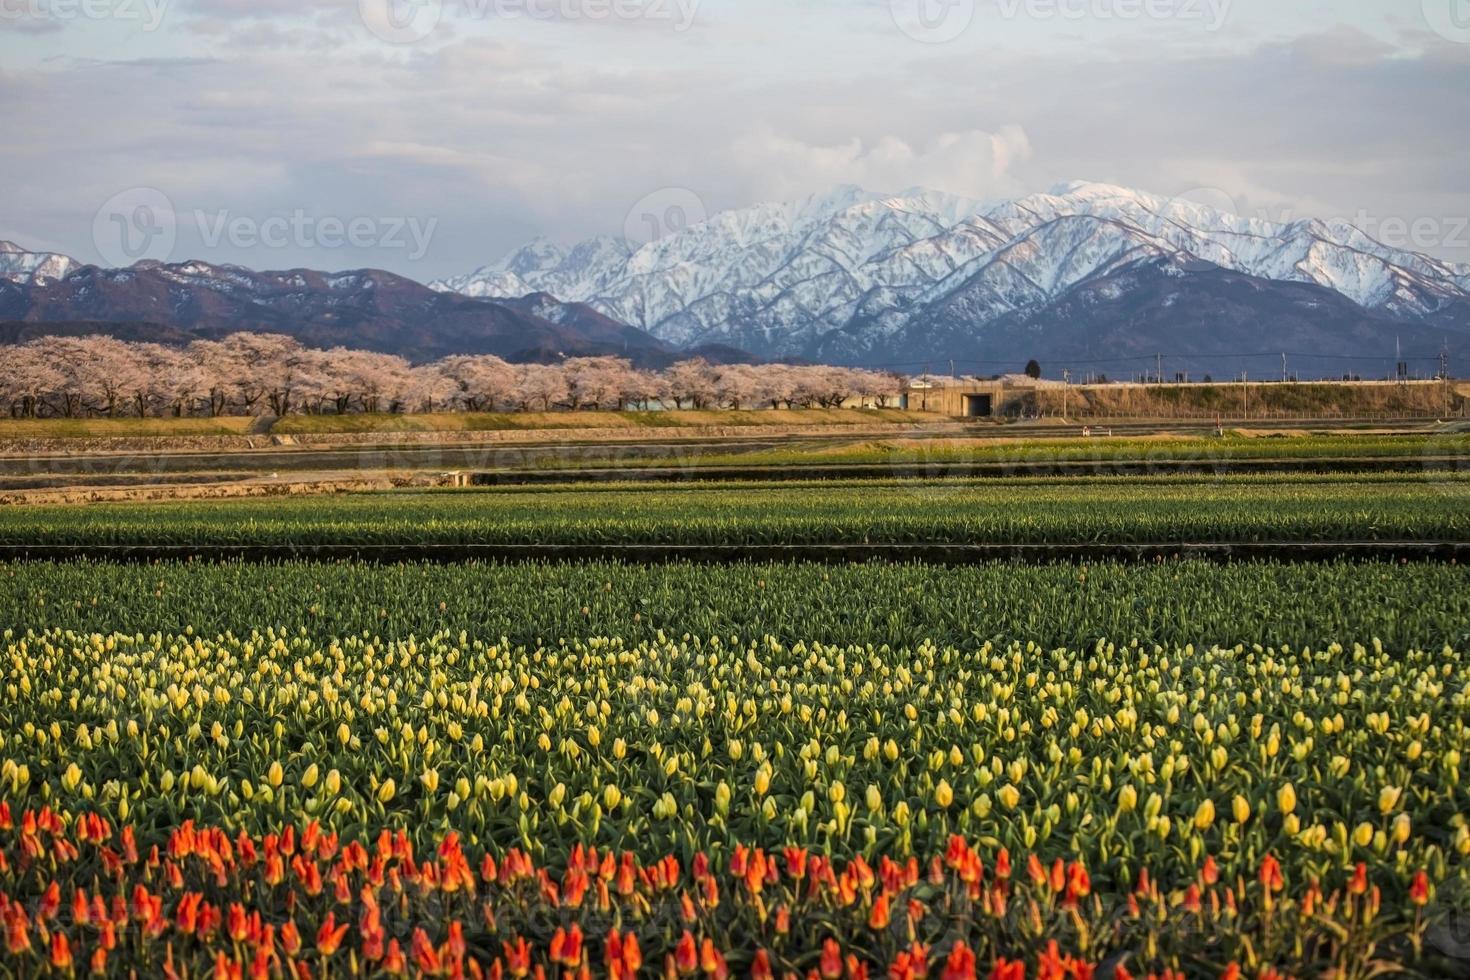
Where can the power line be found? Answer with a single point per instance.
(1159, 358)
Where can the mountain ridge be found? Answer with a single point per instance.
(368, 309)
(845, 275)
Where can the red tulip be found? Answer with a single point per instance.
(1359, 883)
(795, 861)
(60, 951)
(290, 938)
(711, 961)
(1005, 969)
(394, 963)
(960, 964)
(1419, 889)
(1270, 874)
(831, 959)
(686, 954)
(518, 957)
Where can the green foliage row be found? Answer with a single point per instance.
(1173, 603)
(1126, 510)
(1041, 452)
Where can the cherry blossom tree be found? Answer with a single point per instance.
(540, 386)
(692, 381)
(597, 382)
(27, 378)
(247, 374)
(481, 382)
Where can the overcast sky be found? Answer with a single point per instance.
(430, 138)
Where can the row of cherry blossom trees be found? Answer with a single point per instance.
(266, 374)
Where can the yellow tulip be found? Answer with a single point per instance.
(1388, 799)
(275, 775)
(1240, 807)
(1402, 827)
(1286, 798)
(1127, 799)
(386, 791)
(1009, 796)
(1205, 815)
(943, 794)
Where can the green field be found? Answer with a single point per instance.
(1019, 451)
(1092, 510)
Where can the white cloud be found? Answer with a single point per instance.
(974, 163)
(531, 129)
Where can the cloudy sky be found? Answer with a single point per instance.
(431, 137)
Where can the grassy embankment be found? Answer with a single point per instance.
(1323, 400)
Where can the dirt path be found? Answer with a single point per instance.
(296, 484)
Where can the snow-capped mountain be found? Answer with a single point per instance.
(869, 278)
(21, 266)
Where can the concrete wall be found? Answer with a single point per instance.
(952, 400)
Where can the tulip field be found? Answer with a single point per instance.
(1178, 769)
(550, 769)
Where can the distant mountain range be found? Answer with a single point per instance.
(1090, 276)
(369, 309)
(1085, 274)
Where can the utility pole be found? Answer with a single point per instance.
(1159, 374)
(1243, 389)
(1066, 387)
(951, 368)
(1444, 374)
(1283, 367)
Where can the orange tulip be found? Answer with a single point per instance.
(686, 954)
(60, 951)
(329, 936)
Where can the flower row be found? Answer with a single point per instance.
(79, 895)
